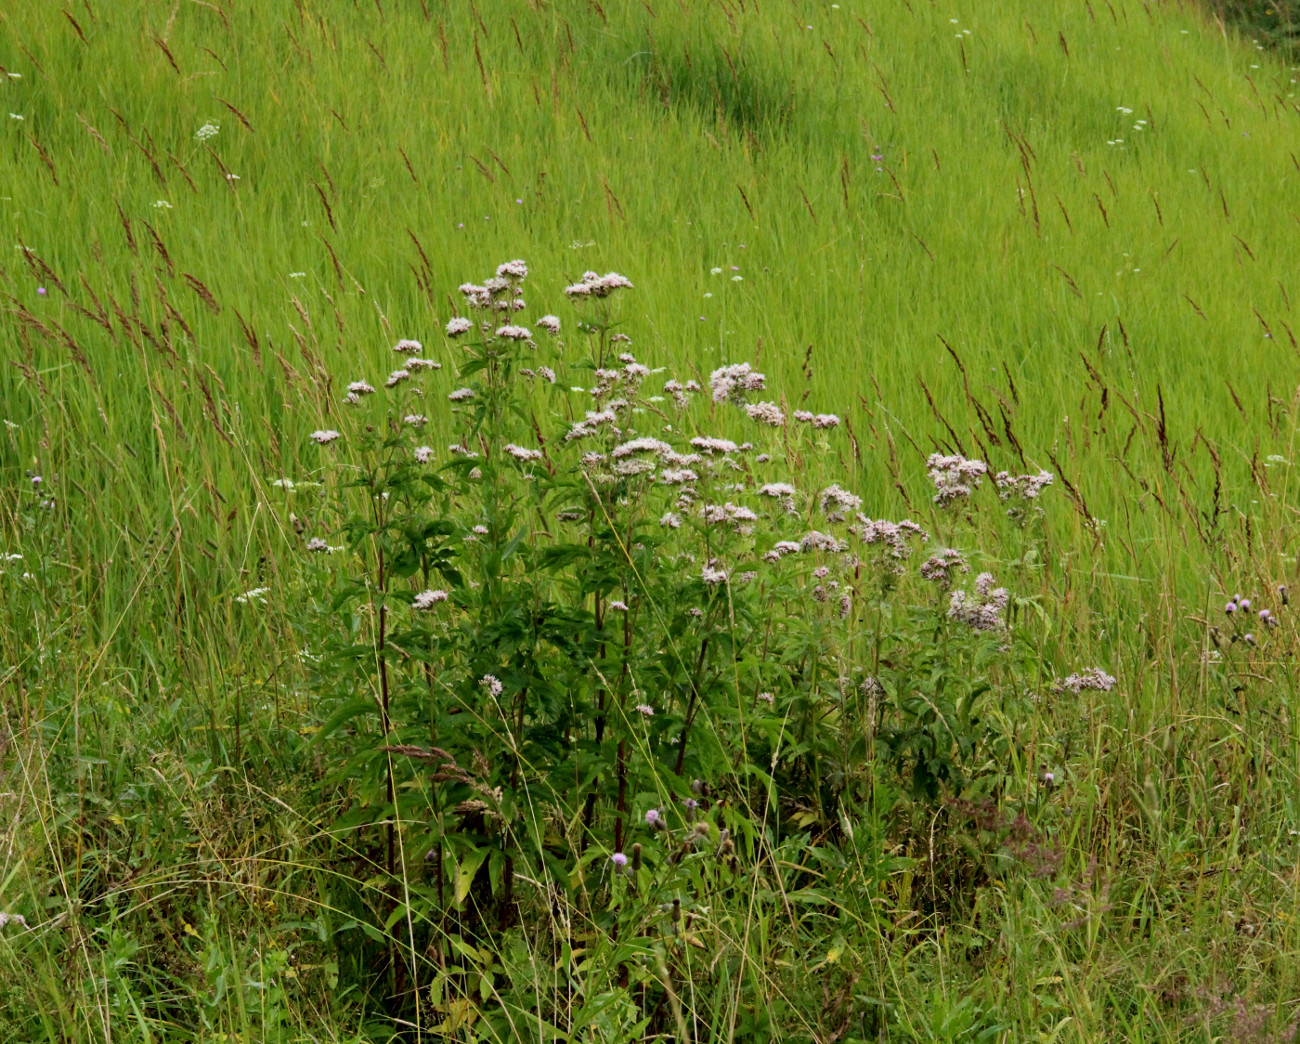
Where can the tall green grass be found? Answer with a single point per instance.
(1059, 234)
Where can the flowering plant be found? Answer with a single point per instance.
(572, 613)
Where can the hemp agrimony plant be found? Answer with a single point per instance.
(594, 635)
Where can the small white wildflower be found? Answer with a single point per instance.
(423, 454)
(461, 394)
(671, 521)
(514, 333)
(733, 383)
(15, 116)
(426, 600)
(422, 364)
(256, 594)
(712, 575)
(326, 436)
(646, 709)
(408, 347)
(549, 323)
(1093, 678)
(208, 130)
(458, 325)
(284, 483)
(512, 270)
(360, 388)
(161, 204)
(319, 546)
(768, 413)
(492, 684)
(617, 607)
(522, 453)
(396, 377)
(416, 420)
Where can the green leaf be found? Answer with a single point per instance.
(465, 871)
(351, 709)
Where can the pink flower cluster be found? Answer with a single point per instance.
(954, 477)
(1092, 678)
(817, 420)
(939, 567)
(733, 383)
(595, 285)
(983, 612)
(1026, 487)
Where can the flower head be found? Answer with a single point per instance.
(407, 347)
(549, 323)
(733, 383)
(522, 453)
(396, 377)
(955, 478)
(326, 436)
(492, 684)
(461, 394)
(458, 325)
(426, 600)
(983, 612)
(1092, 678)
(594, 285)
(646, 709)
(768, 413)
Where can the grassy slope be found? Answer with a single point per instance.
(662, 140)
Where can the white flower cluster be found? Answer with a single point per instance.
(596, 285)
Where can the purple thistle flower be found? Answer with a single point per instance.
(619, 860)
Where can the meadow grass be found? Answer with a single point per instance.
(1053, 236)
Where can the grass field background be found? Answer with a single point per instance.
(1058, 235)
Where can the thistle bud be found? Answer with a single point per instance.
(677, 911)
(636, 857)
